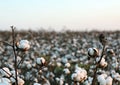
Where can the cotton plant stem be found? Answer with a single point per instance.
(15, 55)
(97, 65)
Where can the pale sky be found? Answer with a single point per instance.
(60, 14)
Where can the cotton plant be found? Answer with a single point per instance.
(20, 46)
(99, 58)
(52, 60)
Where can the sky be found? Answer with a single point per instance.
(80, 15)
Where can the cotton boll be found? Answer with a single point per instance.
(50, 75)
(20, 81)
(88, 81)
(115, 75)
(115, 64)
(57, 79)
(73, 76)
(103, 63)
(58, 64)
(101, 80)
(93, 52)
(64, 60)
(66, 71)
(4, 70)
(61, 82)
(67, 65)
(40, 61)
(29, 66)
(109, 81)
(4, 81)
(36, 84)
(23, 45)
(12, 80)
(80, 74)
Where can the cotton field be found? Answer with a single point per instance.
(59, 58)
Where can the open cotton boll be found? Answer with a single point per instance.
(80, 74)
(36, 84)
(20, 81)
(64, 60)
(103, 63)
(73, 76)
(40, 61)
(88, 81)
(66, 71)
(93, 52)
(4, 81)
(12, 80)
(109, 80)
(5, 72)
(115, 64)
(116, 76)
(23, 45)
(67, 65)
(101, 79)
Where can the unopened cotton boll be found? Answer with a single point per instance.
(40, 61)
(93, 52)
(23, 45)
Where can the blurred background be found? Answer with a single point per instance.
(59, 15)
